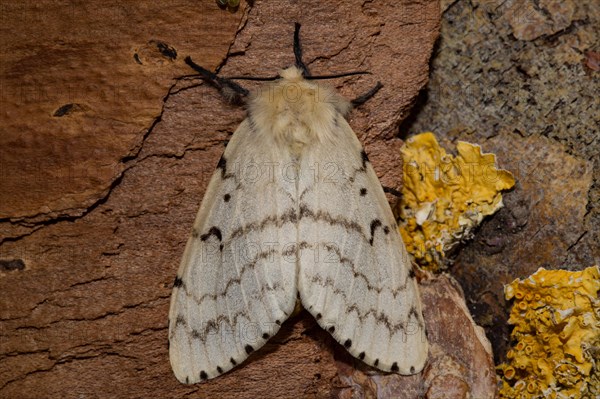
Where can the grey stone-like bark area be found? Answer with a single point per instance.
(521, 79)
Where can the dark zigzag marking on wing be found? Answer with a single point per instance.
(323, 216)
(276, 220)
(222, 164)
(216, 324)
(382, 317)
(293, 249)
(213, 326)
(290, 216)
(413, 312)
(364, 159)
(328, 283)
(364, 167)
(304, 192)
(249, 266)
(213, 231)
(356, 273)
(375, 223)
(379, 317)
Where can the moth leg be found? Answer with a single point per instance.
(232, 91)
(298, 51)
(360, 100)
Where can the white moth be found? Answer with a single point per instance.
(294, 210)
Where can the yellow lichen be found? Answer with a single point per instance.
(556, 320)
(445, 197)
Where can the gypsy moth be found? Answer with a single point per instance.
(294, 209)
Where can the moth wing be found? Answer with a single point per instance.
(234, 286)
(354, 271)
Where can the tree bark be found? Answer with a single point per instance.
(106, 152)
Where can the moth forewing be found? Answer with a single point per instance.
(330, 239)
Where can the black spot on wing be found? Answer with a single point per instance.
(232, 360)
(395, 367)
(412, 369)
(386, 230)
(363, 192)
(348, 343)
(318, 317)
(219, 370)
(361, 356)
(265, 336)
(178, 282)
(213, 231)
(411, 273)
(203, 375)
(226, 197)
(222, 164)
(331, 329)
(249, 349)
(277, 322)
(376, 362)
(187, 380)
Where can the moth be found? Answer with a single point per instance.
(293, 211)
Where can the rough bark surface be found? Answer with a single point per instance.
(520, 78)
(106, 153)
(460, 363)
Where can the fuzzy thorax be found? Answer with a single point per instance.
(296, 112)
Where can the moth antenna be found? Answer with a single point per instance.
(232, 91)
(254, 78)
(360, 100)
(298, 51)
(392, 191)
(339, 75)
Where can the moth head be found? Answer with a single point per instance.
(296, 91)
(293, 74)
